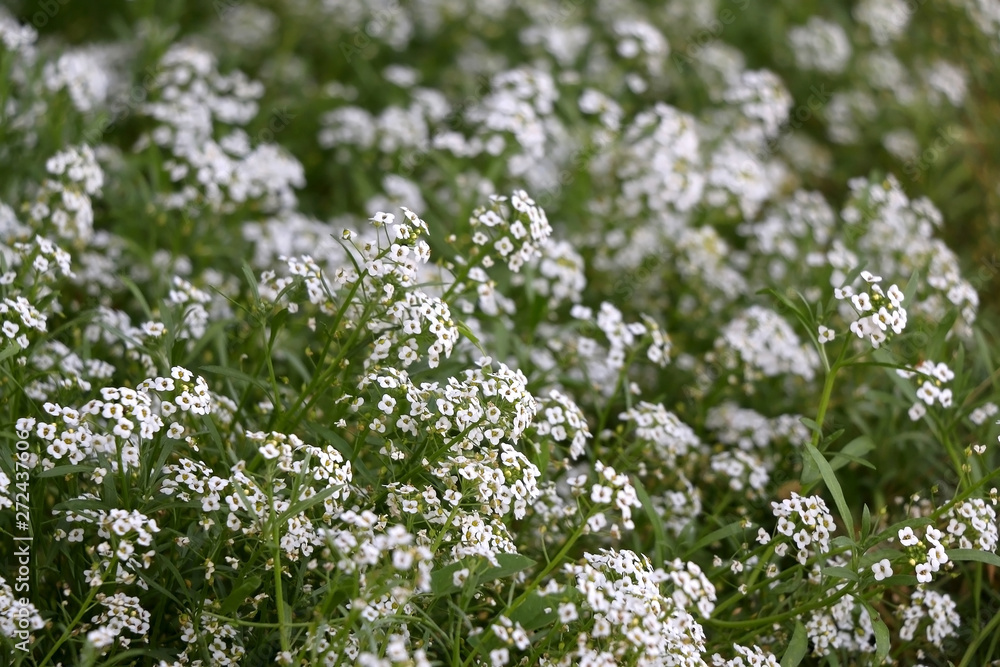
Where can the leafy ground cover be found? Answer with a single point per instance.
(500, 332)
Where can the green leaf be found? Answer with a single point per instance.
(811, 425)
(810, 473)
(532, 615)
(975, 555)
(718, 535)
(912, 285)
(866, 521)
(784, 300)
(246, 588)
(11, 349)
(655, 521)
(252, 282)
(943, 329)
(798, 645)
(852, 452)
(509, 564)
(872, 557)
(793, 583)
(306, 503)
(843, 459)
(830, 439)
(467, 332)
(881, 639)
(841, 542)
(830, 479)
(840, 573)
(277, 322)
(58, 471)
(442, 582)
(137, 293)
(234, 374)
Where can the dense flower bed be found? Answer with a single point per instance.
(495, 333)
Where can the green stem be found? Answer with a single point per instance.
(279, 594)
(622, 376)
(535, 583)
(986, 632)
(942, 435)
(84, 608)
(296, 417)
(335, 326)
(824, 401)
(778, 618)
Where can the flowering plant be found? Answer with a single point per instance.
(536, 333)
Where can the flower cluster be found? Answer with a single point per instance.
(761, 343)
(931, 389)
(820, 45)
(807, 522)
(663, 431)
(605, 364)
(751, 431)
(513, 238)
(562, 421)
(897, 234)
(983, 412)
(972, 524)
(110, 431)
(844, 626)
(611, 488)
(63, 202)
(630, 616)
(18, 313)
(880, 314)
(187, 99)
(500, 456)
(926, 555)
(935, 611)
(122, 532)
(17, 614)
(121, 613)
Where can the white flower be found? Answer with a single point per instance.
(927, 393)
(898, 321)
(567, 612)
(943, 373)
(907, 537)
(944, 398)
(499, 657)
(882, 569)
(895, 296)
(882, 318)
(600, 494)
(387, 404)
(937, 556)
(862, 301)
(825, 334)
(869, 278)
(923, 571)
